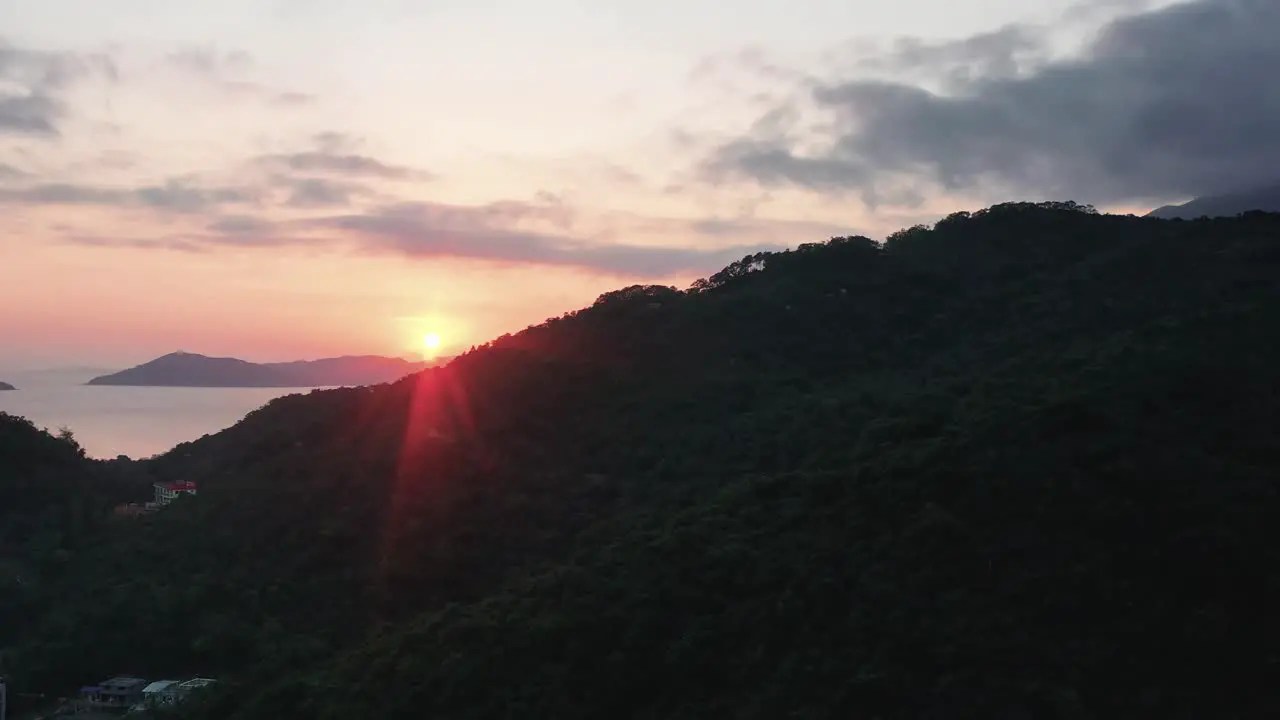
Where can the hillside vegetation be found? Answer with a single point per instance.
(54, 504)
(1021, 464)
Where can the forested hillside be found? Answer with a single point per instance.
(52, 498)
(54, 504)
(42, 490)
(1021, 464)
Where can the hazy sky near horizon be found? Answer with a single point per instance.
(285, 179)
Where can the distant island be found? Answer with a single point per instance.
(6, 386)
(183, 369)
(1266, 199)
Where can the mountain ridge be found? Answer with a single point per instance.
(1261, 199)
(1019, 464)
(184, 369)
(4, 386)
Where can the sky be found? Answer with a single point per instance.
(293, 179)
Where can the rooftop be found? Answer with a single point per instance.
(158, 686)
(122, 683)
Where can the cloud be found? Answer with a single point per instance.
(497, 232)
(174, 244)
(318, 192)
(63, 194)
(180, 196)
(256, 91)
(320, 161)
(1003, 53)
(210, 61)
(336, 142)
(30, 114)
(240, 225)
(174, 195)
(752, 59)
(33, 85)
(1169, 103)
(222, 70)
(327, 175)
(9, 172)
(491, 232)
(328, 172)
(745, 229)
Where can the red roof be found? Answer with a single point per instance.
(178, 486)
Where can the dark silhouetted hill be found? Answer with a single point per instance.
(46, 481)
(1266, 199)
(6, 386)
(1019, 465)
(183, 369)
(54, 502)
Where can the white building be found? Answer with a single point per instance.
(160, 693)
(168, 492)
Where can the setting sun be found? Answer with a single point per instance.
(431, 341)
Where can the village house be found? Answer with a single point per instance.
(161, 693)
(167, 492)
(131, 694)
(118, 692)
(186, 687)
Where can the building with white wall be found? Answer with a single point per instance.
(168, 492)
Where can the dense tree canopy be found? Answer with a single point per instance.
(1020, 464)
(54, 504)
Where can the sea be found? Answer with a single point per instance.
(138, 422)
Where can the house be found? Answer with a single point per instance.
(194, 684)
(168, 492)
(161, 693)
(184, 689)
(118, 692)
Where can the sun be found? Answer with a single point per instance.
(431, 341)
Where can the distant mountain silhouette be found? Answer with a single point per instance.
(1266, 199)
(183, 369)
(6, 386)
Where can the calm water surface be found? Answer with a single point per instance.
(134, 421)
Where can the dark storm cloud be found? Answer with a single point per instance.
(1173, 102)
